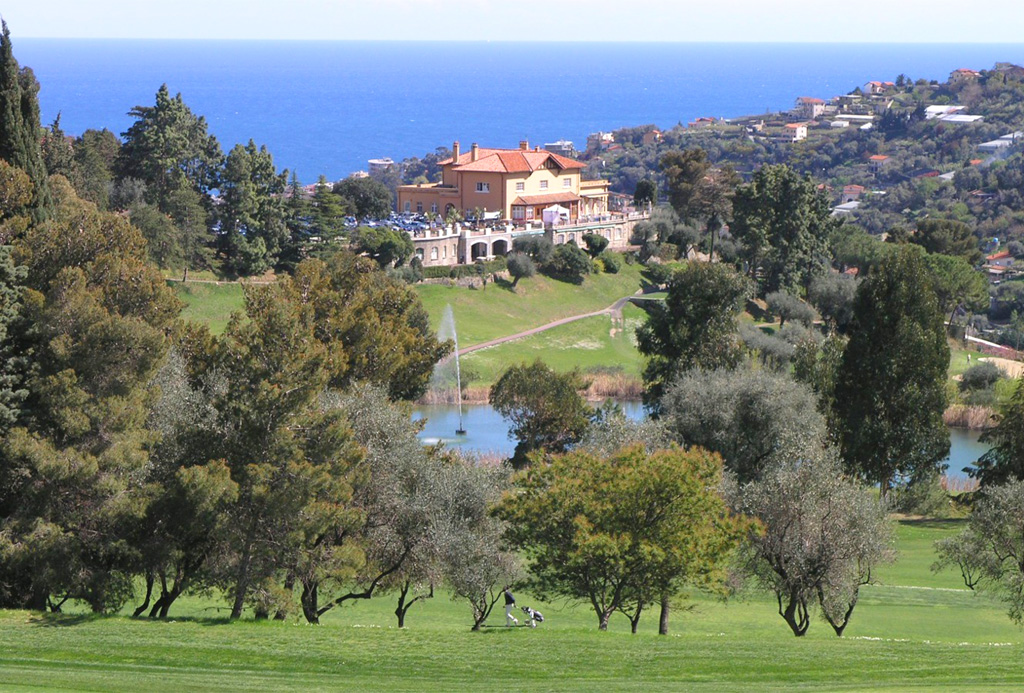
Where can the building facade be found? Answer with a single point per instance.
(508, 184)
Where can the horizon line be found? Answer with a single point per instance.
(520, 41)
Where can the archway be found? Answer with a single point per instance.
(499, 247)
(477, 251)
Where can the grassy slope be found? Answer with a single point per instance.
(482, 315)
(586, 344)
(906, 634)
(211, 304)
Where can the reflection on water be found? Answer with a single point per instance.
(487, 431)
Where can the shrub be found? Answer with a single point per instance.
(569, 263)
(611, 262)
(980, 377)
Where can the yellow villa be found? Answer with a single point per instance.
(511, 184)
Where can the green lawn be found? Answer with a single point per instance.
(485, 314)
(915, 631)
(211, 304)
(593, 343)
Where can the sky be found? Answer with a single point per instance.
(861, 21)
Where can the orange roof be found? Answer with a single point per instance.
(809, 99)
(853, 187)
(549, 199)
(975, 162)
(878, 157)
(509, 160)
(796, 125)
(999, 256)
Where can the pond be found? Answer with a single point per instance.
(487, 432)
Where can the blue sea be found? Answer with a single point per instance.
(327, 107)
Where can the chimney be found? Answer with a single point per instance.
(536, 149)
(455, 153)
(475, 152)
(524, 145)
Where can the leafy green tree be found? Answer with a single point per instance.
(19, 124)
(988, 552)
(646, 193)
(185, 206)
(386, 246)
(957, 284)
(252, 230)
(329, 211)
(753, 419)
(819, 537)
(545, 408)
(948, 237)
(789, 307)
(833, 295)
(569, 263)
(695, 327)
(163, 241)
(641, 524)
(71, 463)
(376, 326)
(683, 171)
(520, 266)
(539, 248)
(371, 199)
(817, 366)
(58, 154)
(168, 148)
(96, 153)
(783, 223)
(12, 365)
(15, 197)
(596, 243)
(890, 390)
(1005, 458)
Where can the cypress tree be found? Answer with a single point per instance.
(20, 131)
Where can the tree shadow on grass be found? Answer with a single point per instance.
(504, 284)
(934, 522)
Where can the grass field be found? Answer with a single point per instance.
(211, 304)
(485, 314)
(915, 631)
(594, 343)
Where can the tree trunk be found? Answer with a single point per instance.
(663, 618)
(262, 613)
(241, 583)
(149, 593)
(309, 601)
(602, 620)
(795, 614)
(289, 587)
(402, 607)
(634, 620)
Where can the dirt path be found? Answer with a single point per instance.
(614, 310)
(1013, 369)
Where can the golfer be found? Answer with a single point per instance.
(510, 603)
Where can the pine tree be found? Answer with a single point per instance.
(19, 123)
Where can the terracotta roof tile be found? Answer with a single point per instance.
(550, 199)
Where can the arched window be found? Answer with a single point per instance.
(433, 253)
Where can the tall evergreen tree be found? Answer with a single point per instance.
(891, 386)
(12, 365)
(252, 212)
(168, 148)
(784, 224)
(19, 123)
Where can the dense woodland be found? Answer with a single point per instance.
(275, 466)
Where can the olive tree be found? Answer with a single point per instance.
(751, 418)
(990, 552)
(821, 534)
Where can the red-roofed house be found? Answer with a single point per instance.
(795, 132)
(877, 162)
(1000, 259)
(963, 75)
(852, 193)
(809, 107)
(873, 88)
(517, 183)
